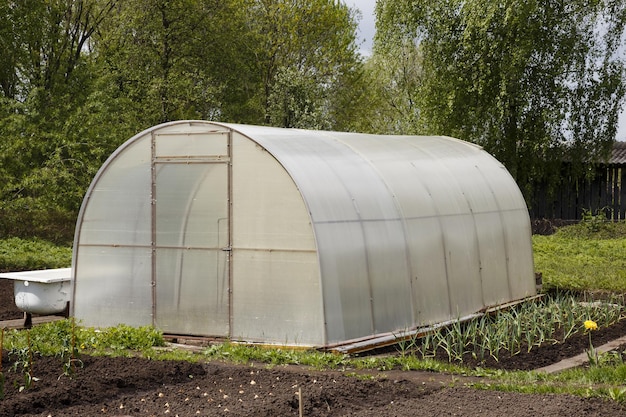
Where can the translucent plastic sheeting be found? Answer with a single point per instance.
(276, 293)
(410, 230)
(297, 237)
(114, 286)
(121, 214)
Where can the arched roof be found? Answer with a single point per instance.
(408, 231)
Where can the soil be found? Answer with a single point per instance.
(105, 386)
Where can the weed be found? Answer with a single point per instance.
(617, 393)
(70, 352)
(594, 222)
(24, 362)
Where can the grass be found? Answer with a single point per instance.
(581, 263)
(52, 339)
(583, 257)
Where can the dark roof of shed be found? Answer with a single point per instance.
(618, 155)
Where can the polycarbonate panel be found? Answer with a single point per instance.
(433, 182)
(462, 265)
(404, 174)
(501, 183)
(390, 278)
(343, 188)
(430, 288)
(493, 258)
(277, 297)
(277, 292)
(443, 189)
(118, 208)
(268, 209)
(517, 230)
(192, 292)
(347, 292)
(112, 286)
(192, 205)
(197, 144)
(336, 236)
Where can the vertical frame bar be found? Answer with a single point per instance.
(153, 197)
(229, 255)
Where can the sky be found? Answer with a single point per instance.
(367, 24)
(367, 29)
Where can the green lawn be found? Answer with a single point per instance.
(577, 258)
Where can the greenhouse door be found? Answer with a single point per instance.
(191, 231)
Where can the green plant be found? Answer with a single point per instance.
(529, 324)
(594, 222)
(70, 352)
(617, 393)
(406, 345)
(24, 362)
(610, 359)
(592, 354)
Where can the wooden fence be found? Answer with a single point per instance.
(571, 198)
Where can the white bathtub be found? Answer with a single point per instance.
(45, 291)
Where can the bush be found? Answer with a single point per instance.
(25, 255)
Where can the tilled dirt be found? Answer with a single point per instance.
(105, 386)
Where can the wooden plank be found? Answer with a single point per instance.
(19, 323)
(602, 183)
(610, 191)
(622, 193)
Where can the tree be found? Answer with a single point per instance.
(166, 56)
(527, 80)
(44, 78)
(78, 77)
(43, 42)
(394, 77)
(305, 53)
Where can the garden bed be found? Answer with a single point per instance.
(106, 386)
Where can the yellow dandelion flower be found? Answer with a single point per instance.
(591, 325)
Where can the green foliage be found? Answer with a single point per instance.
(24, 255)
(529, 325)
(528, 81)
(577, 258)
(23, 361)
(296, 101)
(593, 227)
(275, 356)
(603, 381)
(306, 55)
(56, 338)
(122, 337)
(31, 218)
(45, 167)
(79, 77)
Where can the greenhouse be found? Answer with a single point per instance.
(297, 237)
